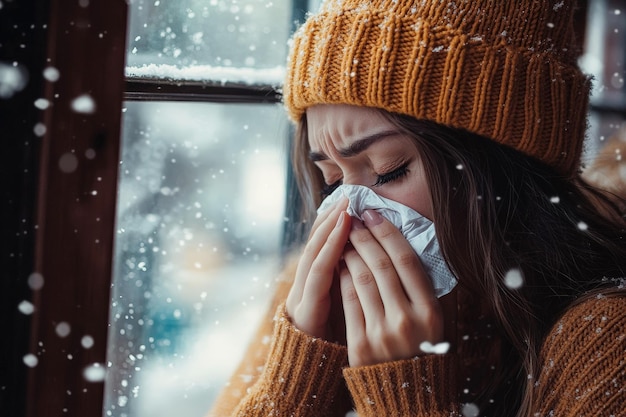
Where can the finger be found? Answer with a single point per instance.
(352, 311)
(376, 262)
(320, 276)
(323, 226)
(330, 212)
(414, 280)
(364, 282)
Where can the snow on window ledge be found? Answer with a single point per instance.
(210, 74)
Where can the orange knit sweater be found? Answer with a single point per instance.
(583, 373)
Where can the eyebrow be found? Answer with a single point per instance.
(355, 147)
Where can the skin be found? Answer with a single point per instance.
(365, 275)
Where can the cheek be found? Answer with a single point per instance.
(419, 200)
(413, 193)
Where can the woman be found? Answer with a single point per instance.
(472, 114)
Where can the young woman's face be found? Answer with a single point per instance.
(357, 145)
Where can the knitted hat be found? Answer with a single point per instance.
(505, 69)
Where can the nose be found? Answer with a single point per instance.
(355, 172)
(355, 178)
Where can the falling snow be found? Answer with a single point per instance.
(514, 279)
(438, 348)
(470, 410)
(30, 360)
(35, 281)
(26, 307)
(63, 329)
(51, 74)
(94, 372)
(42, 103)
(39, 129)
(84, 104)
(13, 79)
(87, 342)
(68, 162)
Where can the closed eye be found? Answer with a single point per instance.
(394, 175)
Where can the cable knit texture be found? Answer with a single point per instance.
(584, 362)
(582, 373)
(503, 69)
(303, 379)
(415, 387)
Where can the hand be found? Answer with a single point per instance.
(310, 300)
(389, 304)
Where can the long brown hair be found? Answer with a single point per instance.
(496, 210)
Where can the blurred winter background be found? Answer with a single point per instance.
(200, 207)
(202, 194)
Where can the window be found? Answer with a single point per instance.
(174, 113)
(201, 199)
(200, 214)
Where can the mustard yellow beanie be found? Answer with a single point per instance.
(505, 69)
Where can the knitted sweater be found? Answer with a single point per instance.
(582, 373)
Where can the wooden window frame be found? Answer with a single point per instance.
(68, 229)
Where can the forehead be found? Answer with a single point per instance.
(342, 123)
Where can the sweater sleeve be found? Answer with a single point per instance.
(423, 386)
(583, 362)
(302, 376)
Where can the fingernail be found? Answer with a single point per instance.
(372, 218)
(357, 224)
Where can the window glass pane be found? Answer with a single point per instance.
(222, 34)
(605, 58)
(200, 215)
(605, 54)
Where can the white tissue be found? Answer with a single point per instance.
(417, 229)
